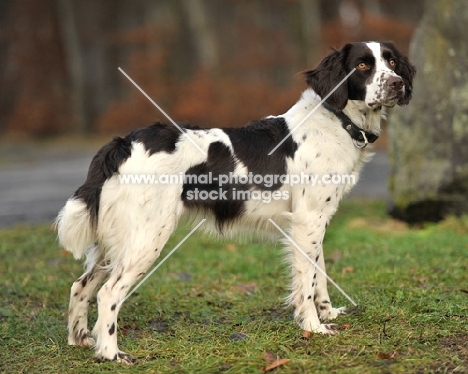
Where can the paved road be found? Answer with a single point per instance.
(35, 181)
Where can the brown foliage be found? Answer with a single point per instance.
(259, 48)
(371, 27)
(35, 75)
(204, 100)
(241, 90)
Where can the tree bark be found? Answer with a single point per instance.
(311, 26)
(74, 62)
(429, 152)
(203, 36)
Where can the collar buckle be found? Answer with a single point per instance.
(361, 145)
(360, 137)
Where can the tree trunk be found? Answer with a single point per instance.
(429, 152)
(310, 23)
(203, 35)
(74, 62)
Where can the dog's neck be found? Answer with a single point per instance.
(364, 117)
(358, 112)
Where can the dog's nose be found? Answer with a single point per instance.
(395, 82)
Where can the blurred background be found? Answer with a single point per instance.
(211, 62)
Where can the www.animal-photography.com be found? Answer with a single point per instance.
(200, 186)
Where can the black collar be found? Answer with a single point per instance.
(360, 137)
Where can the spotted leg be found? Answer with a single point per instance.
(307, 232)
(136, 262)
(322, 300)
(81, 293)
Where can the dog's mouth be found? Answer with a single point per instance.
(390, 103)
(390, 100)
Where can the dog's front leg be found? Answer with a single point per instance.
(322, 301)
(307, 232)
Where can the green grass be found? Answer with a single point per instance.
(190, 315)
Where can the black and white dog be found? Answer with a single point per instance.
(122, 227)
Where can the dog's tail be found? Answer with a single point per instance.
(77, 221)
(75, 230)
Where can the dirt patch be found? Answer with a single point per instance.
(457, 348)
(456, 344)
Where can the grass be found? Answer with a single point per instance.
(217, 307)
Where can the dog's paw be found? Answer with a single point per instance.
(331, 313)
(125, 358)
(120, 357)
(327, 329)
(89, 342)
(81, 338)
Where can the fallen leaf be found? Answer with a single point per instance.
(306, 335)
(247, 288)
(275, 364)
(345, 326)
(195, 293)
(269, 357)
(347, 269)
(231, 247)
(387, 356)
(334, 257)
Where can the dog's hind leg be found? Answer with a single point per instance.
(81, 293)
(138, 256)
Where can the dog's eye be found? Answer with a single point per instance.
(392, 63)
(362, 66)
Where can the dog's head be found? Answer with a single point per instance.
(383, 76)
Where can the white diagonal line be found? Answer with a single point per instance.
(162, 261)
(163, 112)
(311, 112)
(312, 261)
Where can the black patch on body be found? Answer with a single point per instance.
(105, 163)
(159, 137)
(223, 206)
(251, 146)
(253, 142)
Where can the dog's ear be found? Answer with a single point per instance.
(326, 76)
(405, 70)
